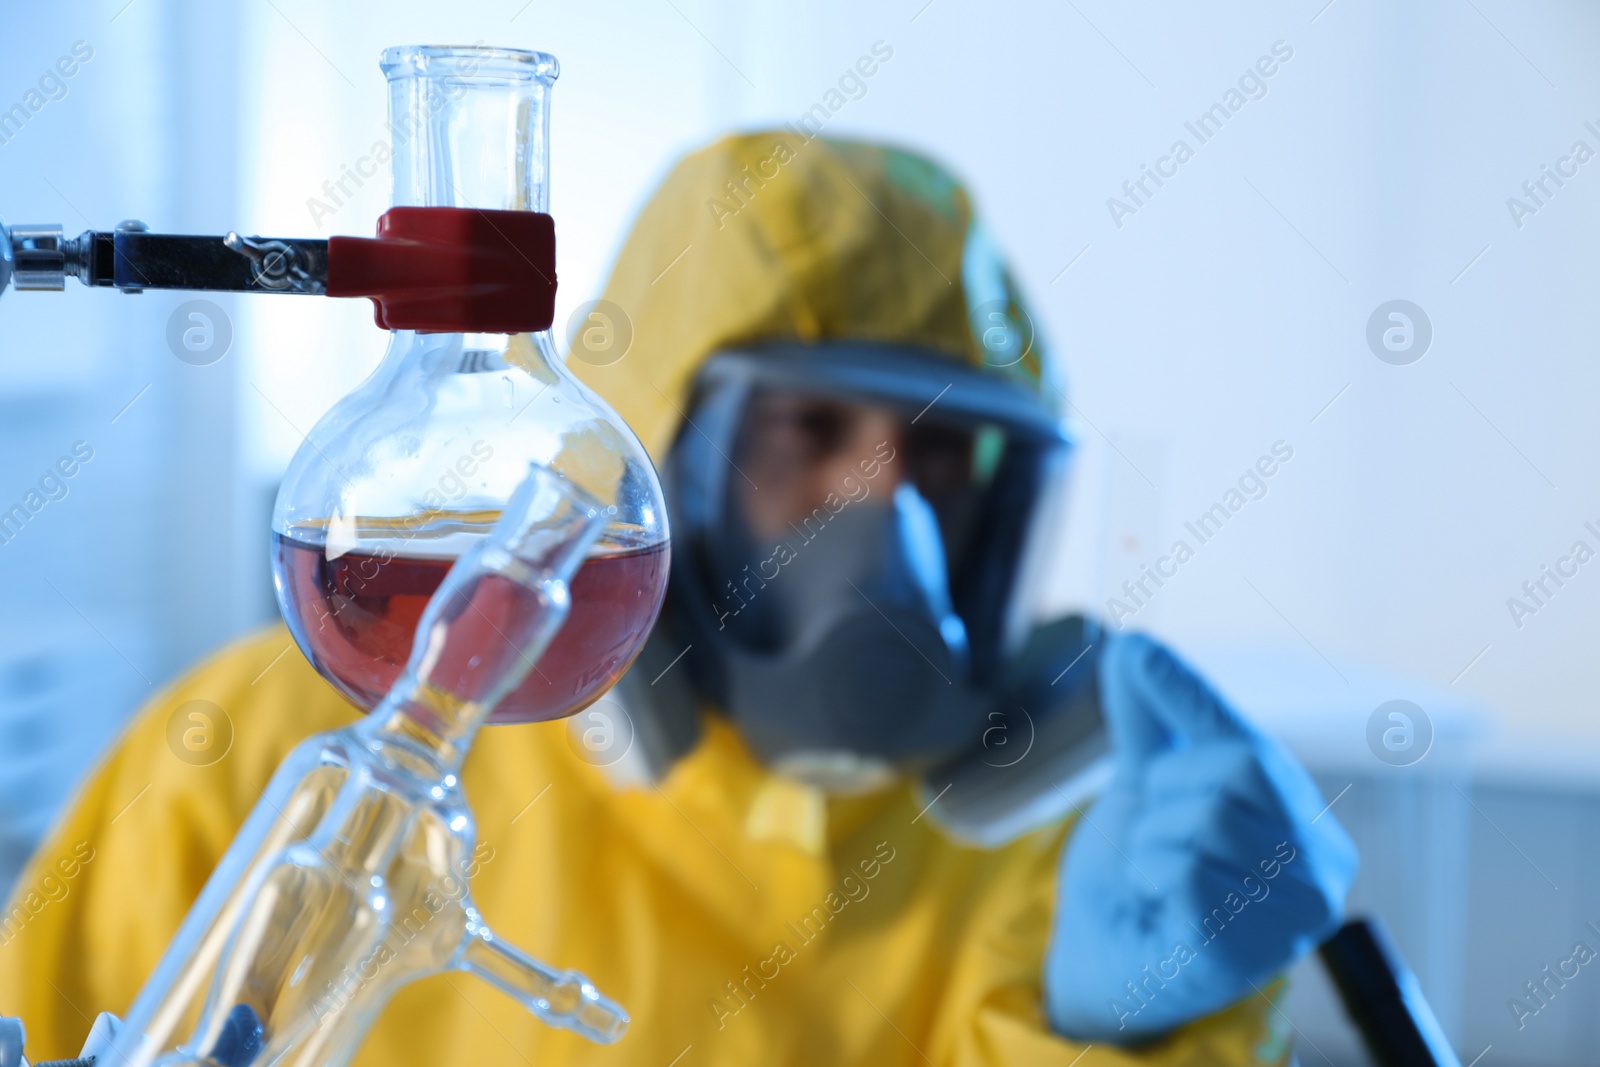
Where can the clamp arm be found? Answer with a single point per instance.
(41, 257)
(432, 269)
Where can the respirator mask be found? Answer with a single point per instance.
(859, 532)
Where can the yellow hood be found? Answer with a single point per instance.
(773, 236)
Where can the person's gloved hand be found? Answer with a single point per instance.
(1208, 865)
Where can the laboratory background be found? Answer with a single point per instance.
(1372, 263)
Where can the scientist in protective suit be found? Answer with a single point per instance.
(856, 803)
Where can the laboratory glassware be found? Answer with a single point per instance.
(415, 465)
(349, 879)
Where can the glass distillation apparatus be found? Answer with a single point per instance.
(349, 878)
(519, 595)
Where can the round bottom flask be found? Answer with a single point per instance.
(406, 473)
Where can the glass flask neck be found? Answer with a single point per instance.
(470, 127)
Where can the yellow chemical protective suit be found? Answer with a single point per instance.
(740, 918)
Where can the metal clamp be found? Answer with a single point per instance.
(431, 269)
(274, 265)
(130, 258)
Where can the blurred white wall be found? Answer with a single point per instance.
(142, 563)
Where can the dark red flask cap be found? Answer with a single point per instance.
(452, 270)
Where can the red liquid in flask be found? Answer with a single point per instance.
(356, 616)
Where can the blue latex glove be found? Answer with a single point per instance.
(1199, 874)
